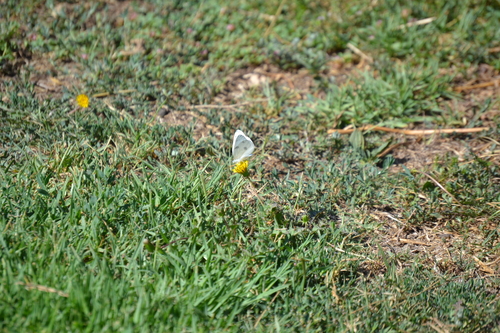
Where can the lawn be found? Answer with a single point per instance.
(371, 202)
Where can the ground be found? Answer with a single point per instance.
(395, 197)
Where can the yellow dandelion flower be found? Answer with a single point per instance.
(83, 100)
(241, 168)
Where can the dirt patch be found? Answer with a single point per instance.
(51, 80)
(188, 119)
(51, 75)
(248, 82)
(441, 249)
(421, 153)
(415, 153)
(479, 87)
(113, 10)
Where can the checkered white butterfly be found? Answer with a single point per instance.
(243, 147)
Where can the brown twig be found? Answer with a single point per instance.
(44, 86)
(438, 185)
(360, 53)
(419, 22)
(389, 149)
(263, 312)
(483, 267)
(75, 110)
(107, 93)
(228, 106)
(275, 18)
(479, 85)
(30, 286)
(354, 254)
(414, 242)
(410, 132)
(173, 242)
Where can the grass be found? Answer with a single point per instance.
(113, 220)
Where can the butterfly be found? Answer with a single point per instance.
(243, 147)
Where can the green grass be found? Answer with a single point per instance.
(112, 221)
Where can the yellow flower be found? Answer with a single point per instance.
(241, 168)
(83, 100)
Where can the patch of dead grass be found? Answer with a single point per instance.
(437, 247)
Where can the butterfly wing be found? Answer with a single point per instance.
(243, 146)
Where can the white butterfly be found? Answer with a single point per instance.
(242, 147)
